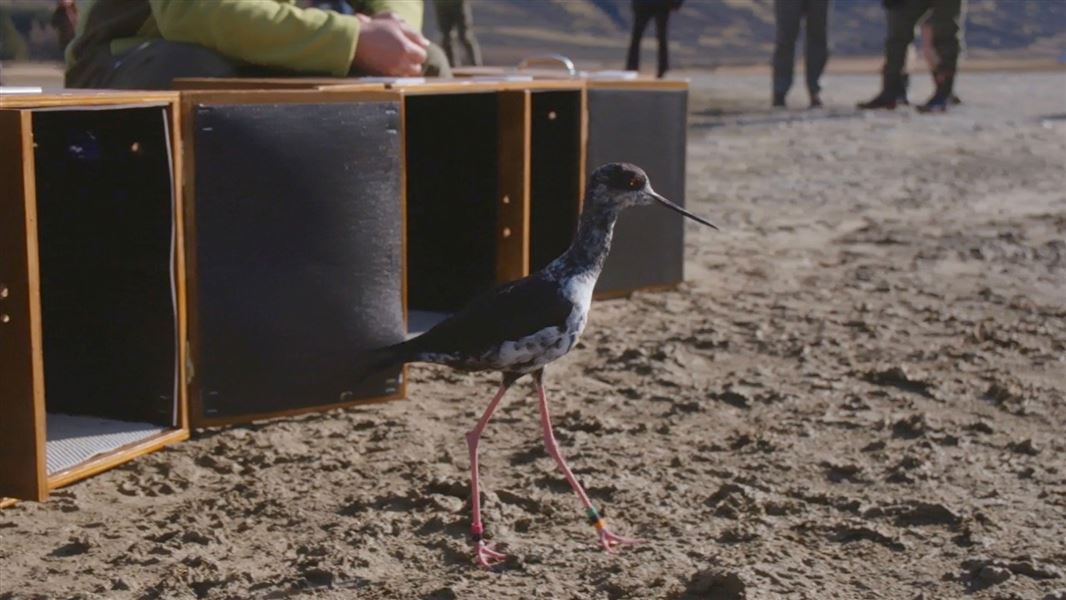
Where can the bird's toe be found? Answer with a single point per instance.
(610, 541)
(487, 557)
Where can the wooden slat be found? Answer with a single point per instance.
(108, 460)
(280, 96)
(402, 392)
(512, 257)
(430, 86)
(193, 399)
(174, 122)
(638, 84)
(584, 155)
(83, 98)
(22, 426)
(269, 83)
(201, 421)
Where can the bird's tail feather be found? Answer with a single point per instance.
(381, 359)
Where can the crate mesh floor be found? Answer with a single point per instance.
(421, 321)
(73, 440)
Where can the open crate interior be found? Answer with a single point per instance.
(452, 178)
(106, 242)
(555, 173)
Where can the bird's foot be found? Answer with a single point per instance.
(486, 556)
(608, 540)
(611, 541)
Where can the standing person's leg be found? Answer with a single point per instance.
(466, 35)
(945, 25)
(446, 24)
(787, 19)
(901, 23)
(662, 19)
(817, 53)
(901, 17)
(641, 16)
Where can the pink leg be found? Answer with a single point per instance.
(607, 539)
(486, 556)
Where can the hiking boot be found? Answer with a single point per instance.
(904, 85)
(886, 100)
(937, 104)
(893, 92)
(778, 101)
(943, 96)
(816, 101)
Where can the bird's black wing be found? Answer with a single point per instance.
(507, 313)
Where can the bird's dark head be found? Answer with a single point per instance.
(621, 185)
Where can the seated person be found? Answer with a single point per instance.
(145, 44)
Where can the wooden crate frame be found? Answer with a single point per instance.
(22, 452)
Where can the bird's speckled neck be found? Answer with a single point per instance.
(591, 244)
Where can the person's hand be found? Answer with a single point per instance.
(388, 14)
(389, 47)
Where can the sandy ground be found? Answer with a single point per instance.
(859, 393)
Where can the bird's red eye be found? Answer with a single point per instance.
(635, 183)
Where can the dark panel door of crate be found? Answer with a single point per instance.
(299, 253)
(645, 126)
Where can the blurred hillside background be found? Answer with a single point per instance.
(705, 33)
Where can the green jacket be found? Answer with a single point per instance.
(270, 33)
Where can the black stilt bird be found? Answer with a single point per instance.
(520, 327)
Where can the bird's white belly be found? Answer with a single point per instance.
(542, 347)
(533, 351)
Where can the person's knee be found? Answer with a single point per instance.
(156, 64)
(945, 34)
(196, 60)
(900, 36)
(436, 64)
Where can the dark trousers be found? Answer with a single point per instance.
(787, 15)
(455, 16)
(945, 19)
(150, 66)
(154, 65)
(641, 15)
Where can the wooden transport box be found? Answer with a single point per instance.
(296, 236)
(294, 230)
(92, 297)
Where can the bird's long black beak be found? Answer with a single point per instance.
(677, 208)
